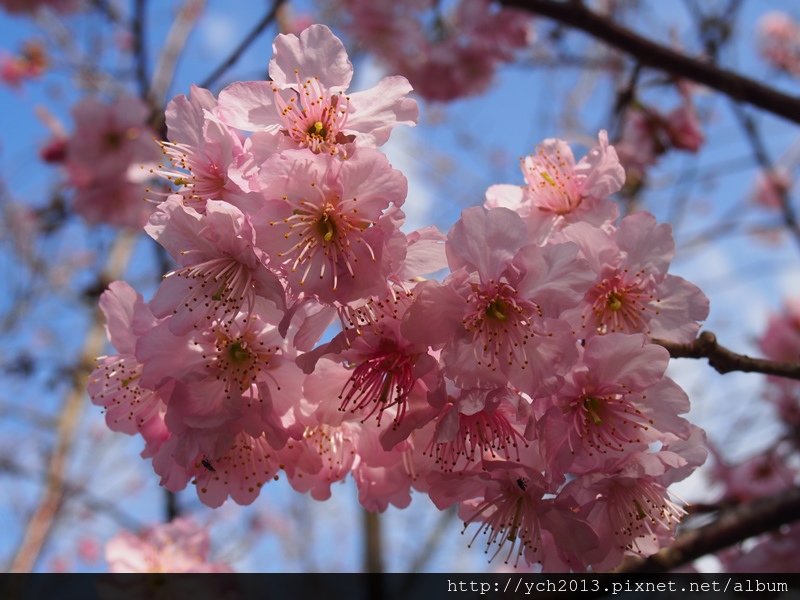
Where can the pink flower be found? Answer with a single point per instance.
(616, 401)
(779, 41)
(633, 292)
(202, 150)
(683, 126)
(380, 486)
(115, 382)
(240, 375)
(764, 474)
(496, 315)
(556, 184)
(105, 159)
(180, 546)
(628, 507)
(781, 340)
(479, 424)
(385, 367)
(325, 222)
(237, 470)
(507, 502)
(326, 454)
(559, 191)
(775, 552)
(647, 133)
(305, 105)
(222, 271)
(456, 56)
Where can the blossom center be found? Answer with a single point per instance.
(314, 117)
(500, 325)
(623, 303)
(237, 353)
(318, 130)
(497, 310)
(509, 518)
(614, 302)
(326, 225)
(592, 408)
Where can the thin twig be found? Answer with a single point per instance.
(110, 11)
(140, 46)
(422, 557)
(182, 26)
(245, 43)
(87, 498)
(373, 551)
(41, 522)
(753, 135)
(726, 361)
(663, 58)
(734, 525)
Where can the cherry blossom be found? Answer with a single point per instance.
(115, 382)
(205, 154)
(456, 56)
(222, 271)
(305, 104)
(560, 191)
(633, 292)
(106, 156)
(325, 222)
(779, 41)
(180, 546)
(521, 386)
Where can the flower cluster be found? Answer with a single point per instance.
(779, 41)
(29, 63)
(106, 160)
(523, 387)
(647, 134)
(180, 546)
(445, 56)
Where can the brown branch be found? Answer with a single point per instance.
(179, 32)
(373, 551)
(110, 11)
(245, 43)
(726, 361)
(663, 58)
(72, 491)
(732, 526)
(140, 46)
(41, 522)
(756, 141)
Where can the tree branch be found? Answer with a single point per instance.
(184, 22)
(41, 522)
(734, 525)
(662, 58)
(756, 141)
(245, 43)
(140, 47)
(726, 361)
